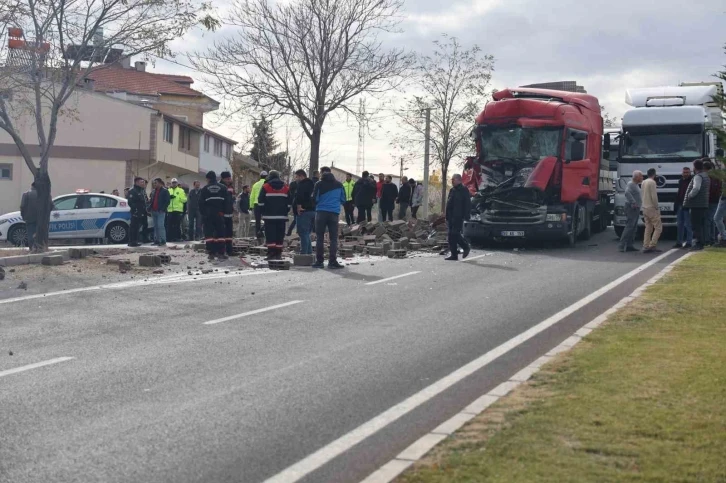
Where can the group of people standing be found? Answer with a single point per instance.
(362, 195)
(700, 209)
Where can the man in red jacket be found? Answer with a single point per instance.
(379, 193)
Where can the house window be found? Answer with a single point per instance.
(217, 147)
(206, 143)
(226, 150)
(168, 131)
(6, 171)
(185, 138)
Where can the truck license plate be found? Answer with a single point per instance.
(512, 233)
(665, 206)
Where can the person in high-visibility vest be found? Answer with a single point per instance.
(175, 211)
(254, 195)
(349, 207)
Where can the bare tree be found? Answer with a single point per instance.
(453, 82)
(304, 58)
(607, 119)
(50, 47)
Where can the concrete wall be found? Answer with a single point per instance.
(67, 175)
(208, 161)
(97, 135)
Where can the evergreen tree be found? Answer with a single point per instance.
(263, 142)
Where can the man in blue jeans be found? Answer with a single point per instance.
(304, 205)
(159, 203)
(329, 196)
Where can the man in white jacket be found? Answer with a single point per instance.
(651, 214)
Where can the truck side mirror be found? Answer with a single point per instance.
(719, 153)
(606, 155)
(606, 142)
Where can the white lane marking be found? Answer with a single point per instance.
(400, 463)
(392, 278)
(35, 366)
(334, 449)
(137, 283)
(478, 257)
(253, 312)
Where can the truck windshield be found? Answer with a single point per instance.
(526, 145)
(662, 145)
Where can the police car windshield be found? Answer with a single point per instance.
(676, 146)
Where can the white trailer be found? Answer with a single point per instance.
(667, 129)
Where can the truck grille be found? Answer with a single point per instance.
(514, 217)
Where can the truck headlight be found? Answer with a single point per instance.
(620, 211)
(475, 217)
(556, 217)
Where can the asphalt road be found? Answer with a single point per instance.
(153, 393)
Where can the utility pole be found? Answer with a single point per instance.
(360, 161)
(427, 141)
(401, 176)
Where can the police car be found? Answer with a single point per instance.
(79, 215)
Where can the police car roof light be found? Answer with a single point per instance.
(80, 191)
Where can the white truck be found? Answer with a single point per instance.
(667, 129)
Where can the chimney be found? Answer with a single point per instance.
(140, 66)
(126, 62)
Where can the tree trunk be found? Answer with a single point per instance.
(444, 171)
(42, 185)
(315, 150)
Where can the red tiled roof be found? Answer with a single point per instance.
(144, 83)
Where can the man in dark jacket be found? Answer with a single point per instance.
(195, 216)
(458, 209)
(243, 206)
(274, 202)
(158, 206)
(405, 194)
(683, 216)
(29, 205)
(697, 201)
(226, 179)
(213, 203)
(329, 196)
(137, 205)
(389, 194)
(364, 192)
(304, 204)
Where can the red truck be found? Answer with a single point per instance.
(541, 172)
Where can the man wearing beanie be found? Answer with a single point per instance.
(212, 203)
(274, 203)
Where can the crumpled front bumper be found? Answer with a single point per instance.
(540, 231)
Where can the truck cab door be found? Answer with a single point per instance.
(577, 176)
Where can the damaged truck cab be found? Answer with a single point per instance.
(540, 171)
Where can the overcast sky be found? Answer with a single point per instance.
(604, 46)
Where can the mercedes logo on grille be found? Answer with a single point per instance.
(660, 181)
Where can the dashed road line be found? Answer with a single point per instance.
(36, 365)
(253, 312)
(334, 449)
(392, 278)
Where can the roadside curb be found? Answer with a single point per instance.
(389, 471)
(32, 258)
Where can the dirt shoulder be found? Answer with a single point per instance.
(640, 399)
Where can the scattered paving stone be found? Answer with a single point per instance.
(23, 286)
(52, 260)
(150, 261)
(2, 273)
(158, 271)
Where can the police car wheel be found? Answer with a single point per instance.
(117, 233)
(18, 236)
